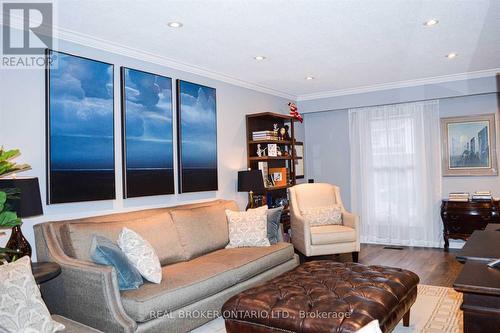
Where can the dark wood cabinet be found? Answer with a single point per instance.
(460, 219)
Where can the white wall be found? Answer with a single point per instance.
(22, 125)
(327, 150)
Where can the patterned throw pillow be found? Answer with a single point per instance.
(21, 306)
(247, 228)
(322, 215)
(141, 254)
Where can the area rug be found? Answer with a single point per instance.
(437, 309)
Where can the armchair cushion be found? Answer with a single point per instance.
(327, 215)
(331, 234)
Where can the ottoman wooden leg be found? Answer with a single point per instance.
(355, 256)
(406, 319)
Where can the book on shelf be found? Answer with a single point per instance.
(264, 135)
(266, 138)
(459, 196)
(482, 196)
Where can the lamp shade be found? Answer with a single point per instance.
(250, 180)
(28, 203)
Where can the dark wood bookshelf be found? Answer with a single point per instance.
(264, 121)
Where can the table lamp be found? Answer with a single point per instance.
(250, 181)
(26, 204)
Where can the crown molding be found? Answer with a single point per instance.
(401, 84)
(117, 48)
(105, 45)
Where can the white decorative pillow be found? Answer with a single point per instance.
(322, 215)
(371, 327)
(247, 228)
(141, 254)
(21, 306)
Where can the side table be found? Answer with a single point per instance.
(45, 271)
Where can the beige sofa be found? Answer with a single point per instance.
(199, 274)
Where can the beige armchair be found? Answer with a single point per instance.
(327, 239)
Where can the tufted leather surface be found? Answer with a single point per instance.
(324, 296)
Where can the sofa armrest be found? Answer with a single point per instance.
(352, 221)
(84, 292)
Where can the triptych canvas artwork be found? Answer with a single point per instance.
(81, 134)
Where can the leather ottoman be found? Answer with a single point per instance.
(324, 296)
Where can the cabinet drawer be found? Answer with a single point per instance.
(466, 218)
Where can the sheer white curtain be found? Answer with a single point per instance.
(396, 173)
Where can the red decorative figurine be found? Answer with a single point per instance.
(293, 111)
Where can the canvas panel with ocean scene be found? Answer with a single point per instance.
(148, 152)
(81, 133)
(197, 117)
(469, 145)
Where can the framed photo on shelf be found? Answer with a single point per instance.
(469, 146)
(279, 176)
(272, 150)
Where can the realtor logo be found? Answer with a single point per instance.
(27, 30)
(35, 21)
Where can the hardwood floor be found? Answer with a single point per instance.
(433, 266)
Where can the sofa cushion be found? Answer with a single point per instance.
(328, 234)
(187, 282)
(203, 229)
(157, 229)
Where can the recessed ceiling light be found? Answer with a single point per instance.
(431, 22)
(309, 78)
(259, 58)
(451, 55)
(175, 24)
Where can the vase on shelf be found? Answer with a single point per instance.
(19, 243)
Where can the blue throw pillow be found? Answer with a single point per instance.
(105, 252)
(273, 225)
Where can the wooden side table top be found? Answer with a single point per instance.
(477, 277)
(45, 271)
(481, 245)
(492, 227)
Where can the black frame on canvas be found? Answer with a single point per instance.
(47, 127)
(124, 130)
(179, 138)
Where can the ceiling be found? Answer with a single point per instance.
(344, 44)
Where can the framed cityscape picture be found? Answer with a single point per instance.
(146, 133)
(80, 129)
(197, 137)
(469, 146)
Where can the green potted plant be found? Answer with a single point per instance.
(8, 219)
(8, 167)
